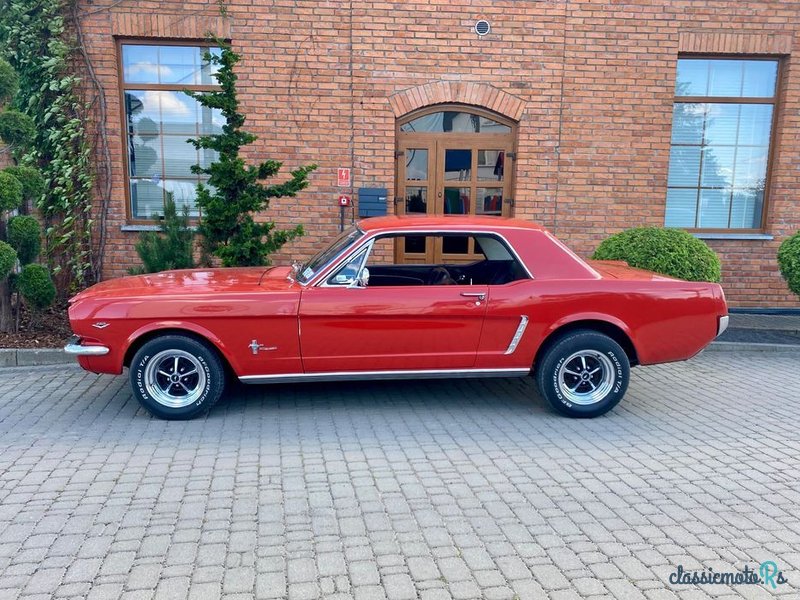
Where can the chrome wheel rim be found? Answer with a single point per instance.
(174, 378)
(586, 377)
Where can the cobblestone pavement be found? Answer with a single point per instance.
(429, 490)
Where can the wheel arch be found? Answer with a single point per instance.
(141, 337)
(613, 330)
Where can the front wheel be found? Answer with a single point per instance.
(177, 377)
(584, 374)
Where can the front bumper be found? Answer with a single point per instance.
(722, 325)
(75, 348)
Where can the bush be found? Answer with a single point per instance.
(10, 191)
(36, 286)
(8, 258)
(9, 82)
(789, 262)
(16, 128)
(671, 252)
(31, 180)
(172, 247)
(24, 235)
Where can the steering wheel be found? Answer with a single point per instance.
(439, 276)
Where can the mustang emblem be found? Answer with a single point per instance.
(101, 325)
(255, 347)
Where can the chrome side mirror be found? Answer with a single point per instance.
(362, 280)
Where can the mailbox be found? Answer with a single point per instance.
(372, 202)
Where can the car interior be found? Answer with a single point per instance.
(495, 265)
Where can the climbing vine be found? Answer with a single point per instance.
(37, 42)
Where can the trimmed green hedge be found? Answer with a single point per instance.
(16, 128)
(31, 180)
(10, 191)
(8, 258)
(671, 252)
(24, 235)
(789, 261)
(36, 286)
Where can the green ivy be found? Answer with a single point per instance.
(35, 41)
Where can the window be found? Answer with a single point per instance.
(159, 119)
(495, 264)
(721, 134)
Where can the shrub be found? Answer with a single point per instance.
(671, 252)
(35, 286)
(789, 261)
(16, 128)
(24, 235)
(8, 258)
(9, 82)
(31, 180)
(10, 191)
(172, 247)
(235, 191)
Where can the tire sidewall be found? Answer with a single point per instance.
(202, 354)
(567, 346)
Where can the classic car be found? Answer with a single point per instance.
(398, 297)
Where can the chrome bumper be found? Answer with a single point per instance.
(74, 347)
(722, 325)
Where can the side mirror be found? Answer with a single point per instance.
(362, 280)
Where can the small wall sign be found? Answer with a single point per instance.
(343, 177)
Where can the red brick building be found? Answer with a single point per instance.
(588, 117)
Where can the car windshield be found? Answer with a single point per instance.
(347, 238)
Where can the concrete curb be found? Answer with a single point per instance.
(750, 347)
(34, 357)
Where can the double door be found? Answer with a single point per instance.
(467, 174)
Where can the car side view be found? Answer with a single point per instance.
(398, 297)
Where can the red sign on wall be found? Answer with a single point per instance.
(344, 177)
(344, 200)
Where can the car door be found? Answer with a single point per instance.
(390, 327)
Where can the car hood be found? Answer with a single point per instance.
(192, 282)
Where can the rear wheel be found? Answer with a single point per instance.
(584, 374)
(177, 377)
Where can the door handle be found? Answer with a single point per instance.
(478, 295)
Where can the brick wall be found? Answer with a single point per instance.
(590, 84)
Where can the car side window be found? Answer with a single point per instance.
(347, 273)
(442, 259)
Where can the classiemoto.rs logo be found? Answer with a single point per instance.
(767, 574)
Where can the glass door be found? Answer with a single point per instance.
(451, 161)
(470, 180)
(415, 196)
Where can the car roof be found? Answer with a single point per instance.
(445, 222)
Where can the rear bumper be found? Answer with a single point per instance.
(75, 348)
(722, 324)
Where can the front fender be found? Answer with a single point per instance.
(178, 326)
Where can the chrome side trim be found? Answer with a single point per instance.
(77, 350)
(722, 325)
(523, 323)
(378, 375)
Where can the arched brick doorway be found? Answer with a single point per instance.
(453, 159)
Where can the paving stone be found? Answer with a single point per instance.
(423, 490)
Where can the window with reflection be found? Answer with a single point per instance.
(160, 118)
(451, 121)
(721, 135)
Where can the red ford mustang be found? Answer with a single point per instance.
(398, 297)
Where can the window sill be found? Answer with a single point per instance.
(140, 228)
(733, 236)
(143, 227)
